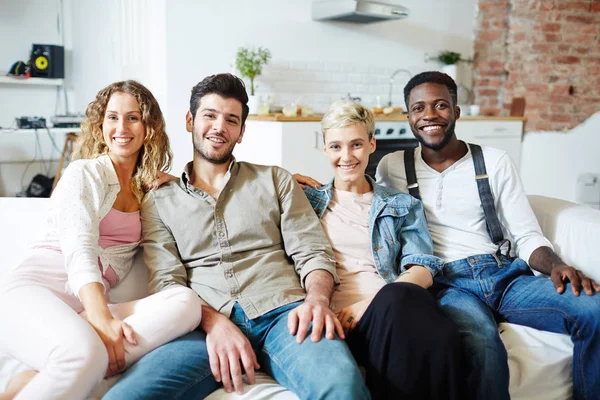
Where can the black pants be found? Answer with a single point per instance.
(409, 349)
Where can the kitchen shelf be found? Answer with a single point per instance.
(283, 118)
(9, 80)
(394, 117)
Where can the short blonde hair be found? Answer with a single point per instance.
(343, 113)
(155, 154)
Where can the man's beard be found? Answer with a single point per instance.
(221, 159)
(437, 146)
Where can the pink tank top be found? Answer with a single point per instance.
(117, 228)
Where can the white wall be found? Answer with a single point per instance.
(117, 40)
(551, 162)
(203, 37)
(105, 41)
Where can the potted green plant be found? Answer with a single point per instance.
(450, 59)
(250, 62)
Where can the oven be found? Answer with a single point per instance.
(391, 136)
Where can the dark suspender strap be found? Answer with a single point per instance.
(411, 175)
(492, 222)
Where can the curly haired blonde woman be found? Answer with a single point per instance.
(54, 309)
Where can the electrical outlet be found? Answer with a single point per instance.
(588, 189)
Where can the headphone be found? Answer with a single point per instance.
(18, 69)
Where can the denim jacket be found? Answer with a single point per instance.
(397, 228)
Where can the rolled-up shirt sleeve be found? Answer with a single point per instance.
(303, 236)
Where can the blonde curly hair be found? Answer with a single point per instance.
(155, 154)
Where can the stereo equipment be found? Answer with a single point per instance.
(47, 61)
(31, 123)
(67, 121)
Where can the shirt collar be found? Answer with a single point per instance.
(186, 181)
(379, 191)
(112, 177)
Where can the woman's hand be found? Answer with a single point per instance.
(111, 332)
(304, 180)
(350, 315)
(162, 178)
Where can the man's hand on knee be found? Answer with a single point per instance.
(228, 351)
(578, 279)
(317, 312)
(544, 259)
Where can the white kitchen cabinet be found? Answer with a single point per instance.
(504, 134)
(295, 146)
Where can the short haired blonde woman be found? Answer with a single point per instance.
(54, 309)
(384, 260)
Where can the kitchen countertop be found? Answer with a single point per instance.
(378, 117)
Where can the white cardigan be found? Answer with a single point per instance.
(84, 195)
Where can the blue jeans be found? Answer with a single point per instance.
(181, 370)
(478, 291)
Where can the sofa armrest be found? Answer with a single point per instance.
(574, 231)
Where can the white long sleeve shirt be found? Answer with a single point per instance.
(84, 195)
(454, 214)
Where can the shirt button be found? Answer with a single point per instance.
(221, 234)
(229, 274)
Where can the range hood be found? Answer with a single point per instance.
(360, 11)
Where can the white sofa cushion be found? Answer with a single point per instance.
(574, 231)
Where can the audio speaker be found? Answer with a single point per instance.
(47, 61)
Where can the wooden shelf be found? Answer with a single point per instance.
(8, 131)
(9, 80)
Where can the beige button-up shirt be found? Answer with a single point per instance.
(255, 244)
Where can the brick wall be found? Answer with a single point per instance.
(547, 51)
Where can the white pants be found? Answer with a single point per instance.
(41, 327)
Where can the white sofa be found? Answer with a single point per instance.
(540, 362)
